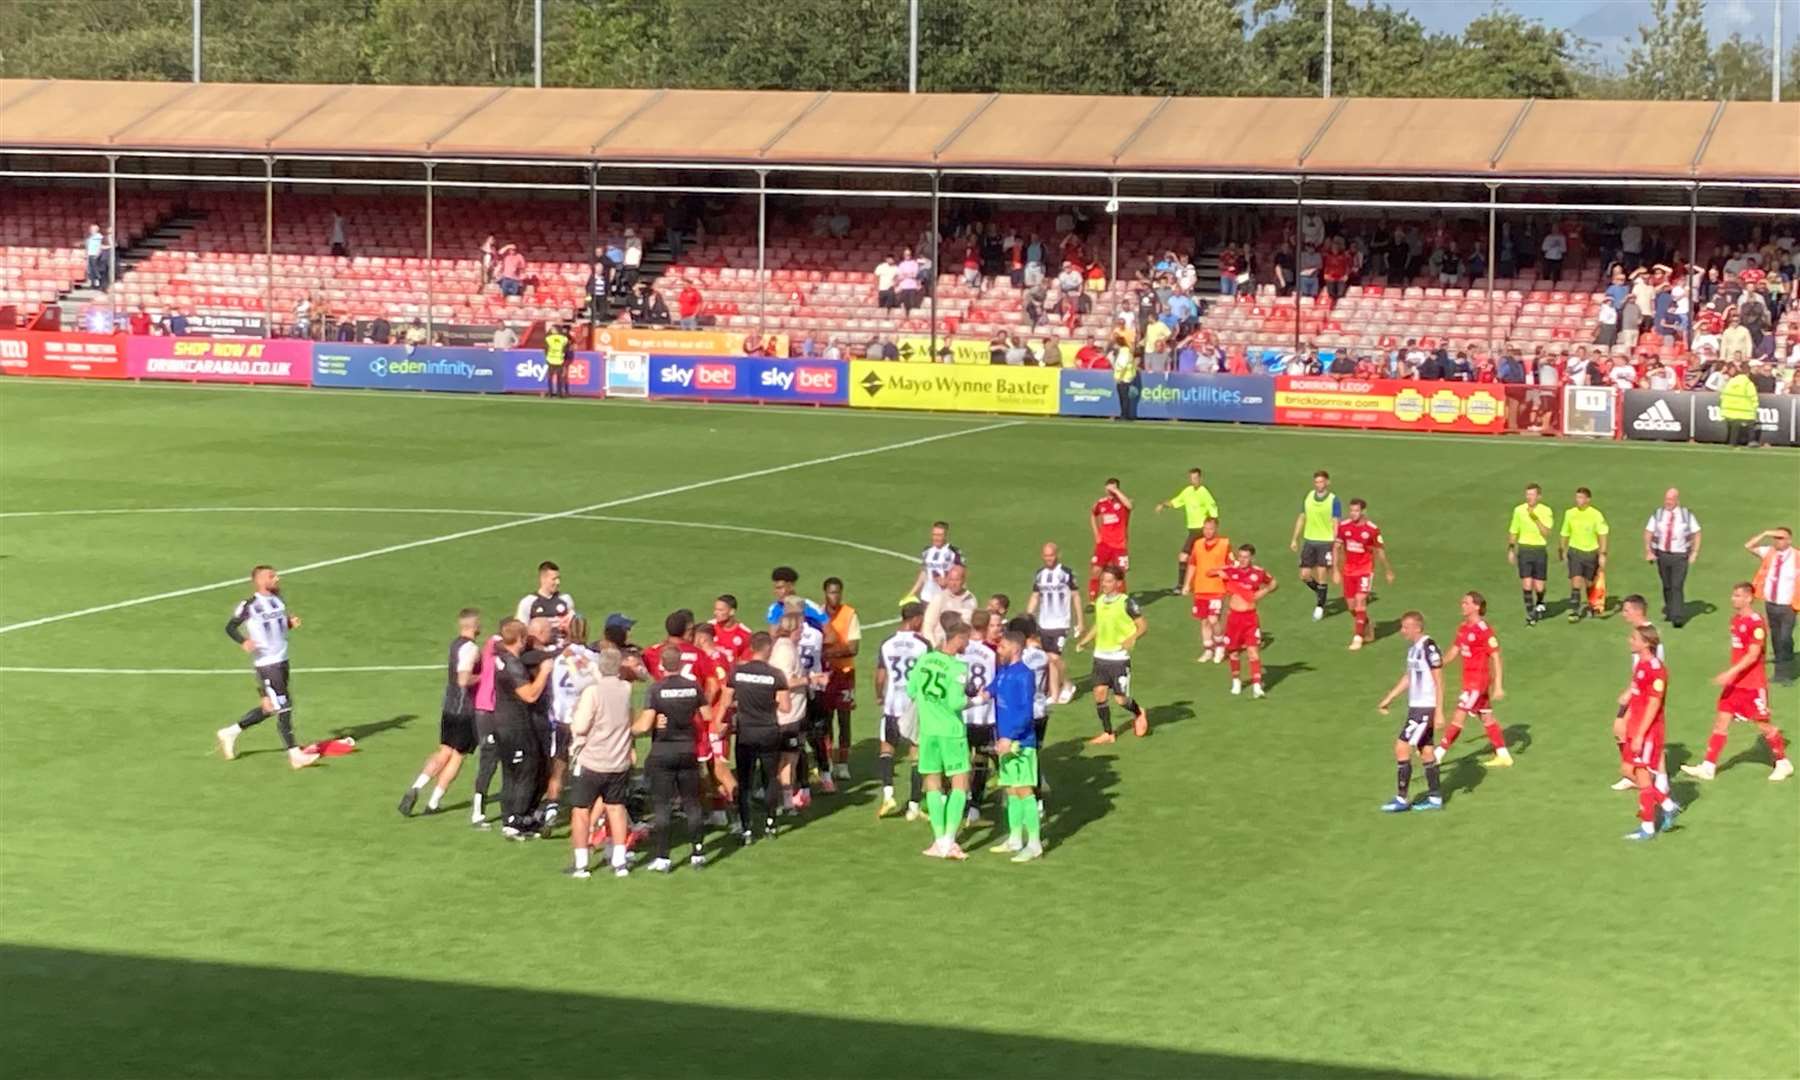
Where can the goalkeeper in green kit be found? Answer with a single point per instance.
(938, 686)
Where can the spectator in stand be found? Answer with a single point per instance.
(633, 259)
(303, 308)
(907, 281)
(505, 337)
(1449, 266)
(1231, 264)
(490, 260)
(1643, 290)
(1068, 287)
(1549, 373)
(889, 349)
(1037, 302)
(1336, 269)
(94, 244)
(1343, 365)
(1034, 260)
(886, 274)
(688, 303)
(1185, 275)
(140, 322)
(1623, 375)
(1606, 322)
(1185, 313)
(1735, 343)
(1475, 266)
(834, 349)
(340, 239)
(1510, 371)
(971, 267)
(1017, 355)
(1284, 272)
(416, 334)
(1618, 288)
(175, 324)
(648, 308)
(1094, 278)
(346, 330)
(1310, 264)
(1459, 368)
(1156, 347)
(1576, 369)
(1554, 249)
(1753, 306)
(1631, 320)
(1050, 352)
(1430, 369)
(1092, 356)
(599, 287)
(512, 271)
(1661, 376)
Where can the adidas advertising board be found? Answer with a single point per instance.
(1683, 415)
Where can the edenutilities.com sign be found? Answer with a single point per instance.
(888, 384)
(1390, 404)
(393, 367)
(729, 378)
(1244, 399)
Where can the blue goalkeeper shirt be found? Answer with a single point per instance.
(1014, 688)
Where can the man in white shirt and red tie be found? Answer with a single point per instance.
(1774, 583)
(1672, 543)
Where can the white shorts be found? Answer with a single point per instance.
(900, 725)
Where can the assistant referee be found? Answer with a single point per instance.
(1528, 548)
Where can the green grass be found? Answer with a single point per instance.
(1222, 898)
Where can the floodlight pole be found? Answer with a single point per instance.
(762, 251)
(268, 241)
(1112, 211)
(112, 234)
(1493, 218)
(537, 43)
(912, 49)
(430, 263)
(1325, 83)
(937, 178)
(593, 245)
(196, 64)
(1299, 229)
(1693, 260)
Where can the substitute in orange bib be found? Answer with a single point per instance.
(1210, 554)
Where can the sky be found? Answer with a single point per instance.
(1610, 24)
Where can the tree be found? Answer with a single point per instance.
(1672, 60)
(1741, 70)
(1502, 55)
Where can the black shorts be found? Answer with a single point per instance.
(1040, 725)
(457, 731)
(981, 737)
(1584, 564)
(1193, 535)
(555, 740)
(272, 684)
(607, 787)
(757, 740)
(1416, 732)
(1114, 675)
(1315, 553)
(792, 735)
(818, 715)
(1053, 641)
(1534, 562)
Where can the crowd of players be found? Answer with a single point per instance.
(743, 724)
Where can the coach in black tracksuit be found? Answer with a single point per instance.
(515, 738)
(760, 692)
(671, 715)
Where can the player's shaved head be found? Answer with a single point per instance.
(512, 632)
(760, 644)
(670, 658)
(1011, 645)
(468, 613)
(1412, 624)
(956, 576)
(538, 630)
(1051, 553)
(980, 620)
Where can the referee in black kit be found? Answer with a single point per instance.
(515, 739)
(1672, 542)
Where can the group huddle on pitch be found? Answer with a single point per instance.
(743, 725)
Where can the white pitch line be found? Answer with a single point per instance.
(535, 519)
(209, 671)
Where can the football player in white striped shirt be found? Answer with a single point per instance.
(982, 661)
(1423, 685)
(1055, 607)
(899, 716)
(260, 627)
(934, 562)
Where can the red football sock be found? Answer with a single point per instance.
(1451, 734)
(1495, 738)
(1714, 747)
(1256, 670)
(1362, 624)
(1093, 586)
(1648, 800)
(1234, 665)
(1777, 745)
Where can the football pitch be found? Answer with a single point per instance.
(1221, 898)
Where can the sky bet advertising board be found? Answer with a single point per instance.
(1242, 399)
(525, 372)
(394, 367)
(749, 378)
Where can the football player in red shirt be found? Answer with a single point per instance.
(1479, 648)
(714, 675)
(1643, 701)
(694, 665)
(1746, 688)
(1245, 585)
(730, 635)
(1111, 521)
(1357, 547)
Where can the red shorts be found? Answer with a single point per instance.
(1358, 584)
(703, 747)
(1208, 607)
(1746, 703)
(1106, 554)
(1242, 630)
(839, 692)
(1650, 751)
(720, 751)
(1474, 699)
